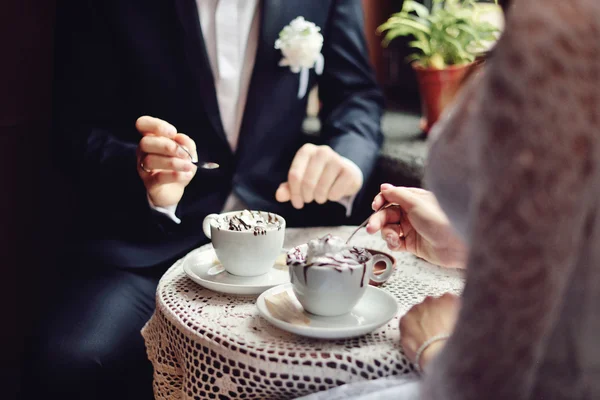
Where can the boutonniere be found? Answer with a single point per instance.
(300, 43)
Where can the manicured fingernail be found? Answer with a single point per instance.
(373, 206)
(392, 240)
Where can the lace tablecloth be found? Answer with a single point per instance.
(207, 345)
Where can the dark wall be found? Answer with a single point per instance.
(394, 73)
(32, 197)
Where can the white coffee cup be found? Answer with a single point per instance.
(328, 290)
(245, 253)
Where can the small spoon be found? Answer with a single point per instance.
(206, 165)
(203, 164)
(366, 221)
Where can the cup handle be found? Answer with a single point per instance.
(389, 268)
(206, 224)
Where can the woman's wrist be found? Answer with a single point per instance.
(430, 353)
(429, 350)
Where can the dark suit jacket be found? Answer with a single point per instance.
(119, 59)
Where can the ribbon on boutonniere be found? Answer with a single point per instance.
(300, 43)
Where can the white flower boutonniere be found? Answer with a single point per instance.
(300, 43)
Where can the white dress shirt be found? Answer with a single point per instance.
(230, 29)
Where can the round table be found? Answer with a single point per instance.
(208, 345)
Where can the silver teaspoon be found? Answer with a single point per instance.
(206, 165)
(201, 164)
(366, 221)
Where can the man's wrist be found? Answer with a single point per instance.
(357, 172)
(168, 211)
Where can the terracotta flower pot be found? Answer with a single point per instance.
(438, 87)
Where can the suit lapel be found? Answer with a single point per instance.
(197, 57)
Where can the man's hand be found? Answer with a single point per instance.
(164, 166)
(319, 174)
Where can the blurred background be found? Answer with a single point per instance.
(35, 202)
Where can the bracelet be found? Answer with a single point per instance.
(425, 345)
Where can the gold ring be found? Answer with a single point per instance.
(143, 168)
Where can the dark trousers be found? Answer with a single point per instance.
(88, 344)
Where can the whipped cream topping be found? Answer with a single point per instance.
(329, 250)
(257, 221)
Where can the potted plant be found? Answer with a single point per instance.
(449, 41)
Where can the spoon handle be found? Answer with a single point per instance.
(366, 221)
(200, 164)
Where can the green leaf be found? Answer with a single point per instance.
(418, 8)
(454, 30)
(460, 49)
(422, 45)
(409, 23)
(469, 30)
(394, 33)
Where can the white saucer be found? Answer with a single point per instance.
(375, 309)
(204, 268)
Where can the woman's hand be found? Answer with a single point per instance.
(163, 165)
(418, 225)
(434, 316)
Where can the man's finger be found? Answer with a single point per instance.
(163, 177)
(155, 162)
(332, 170)
(343, 186)
(162, 146)
(296, 174)
(147, 125)
(313, 172)
(283, 193)
(187, 142)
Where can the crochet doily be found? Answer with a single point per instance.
(207, 345)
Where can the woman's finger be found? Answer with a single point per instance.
(390, 215)
(378, 202)
(393, 235)
(402, 196)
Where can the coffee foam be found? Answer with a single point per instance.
(258, 222)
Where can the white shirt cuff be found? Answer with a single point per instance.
(169, 211)
(348, 201)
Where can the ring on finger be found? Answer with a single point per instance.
(144, 169)
(142, 165)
